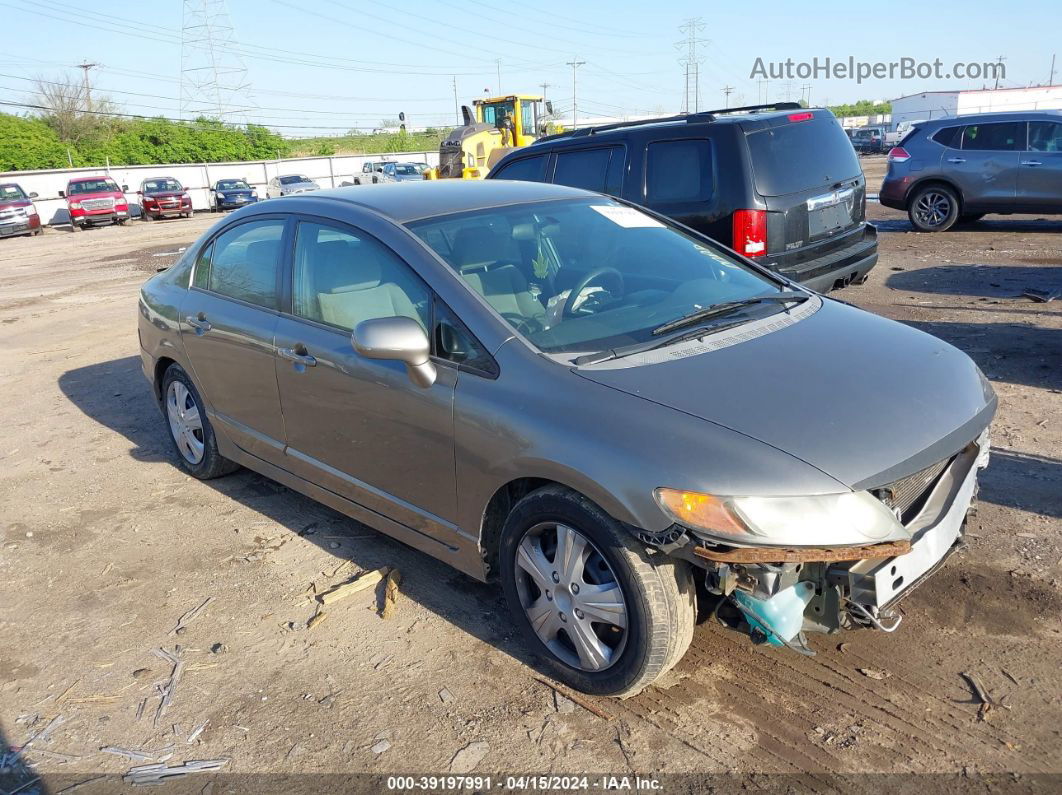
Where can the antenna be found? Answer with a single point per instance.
(213, 75)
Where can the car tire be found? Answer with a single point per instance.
(933, 208)
(145, 216)
(75, 227)
(656, 595)
(191, 434)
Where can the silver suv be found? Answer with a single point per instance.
(578, 399)
(957, 169)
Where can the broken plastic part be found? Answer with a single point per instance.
(779, 617)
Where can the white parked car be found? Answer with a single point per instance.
(288, 184)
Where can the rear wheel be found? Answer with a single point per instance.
(607, 616)
(933, 208)
(190, 430)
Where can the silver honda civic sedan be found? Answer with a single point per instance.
(577, 399)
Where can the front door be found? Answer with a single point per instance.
(356, 426)
(1040, 168)
(227, 323)
(986, 166)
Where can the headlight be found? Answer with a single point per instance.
(254, 194)
(221, 196)
(849, 519)
(75, 205)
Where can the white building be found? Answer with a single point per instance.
(938, 104)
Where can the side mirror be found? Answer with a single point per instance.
(140, 193)
(33, 195)
(62, 194)
(125, 188)
(399, 339)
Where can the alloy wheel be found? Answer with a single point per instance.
(186, 423)
(933, 208)
(571, 596)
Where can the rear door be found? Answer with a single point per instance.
(1040, 168)
(986, 166)
(810, 181)
(227, 322)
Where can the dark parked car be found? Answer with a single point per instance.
(18, 213)
(958, 169)
(228, 194)
(776, 183)
(579, 400)
(869, 140)
(163, 197)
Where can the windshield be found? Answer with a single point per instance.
(11, 193)
(587, 275)
(801, 155)
(162, 186)
(93, 186)
(233, 184)
(293, 180)
(406, 170)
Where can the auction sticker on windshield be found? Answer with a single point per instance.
(626, 217)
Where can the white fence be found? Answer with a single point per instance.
(197, 178)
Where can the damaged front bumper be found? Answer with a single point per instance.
(783, 593)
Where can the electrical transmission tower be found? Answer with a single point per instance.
(213, 75)
(691, 100)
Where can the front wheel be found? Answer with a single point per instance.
(190, 430)
(606, 615)
(933, 208)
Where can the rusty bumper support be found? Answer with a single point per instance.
(890, 549)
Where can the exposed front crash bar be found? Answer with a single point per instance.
(889, 549)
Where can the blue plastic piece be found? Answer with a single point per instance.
(780, 617)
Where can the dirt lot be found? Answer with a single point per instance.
(106, 544)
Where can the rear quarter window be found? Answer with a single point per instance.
(798, 156)
(679, 171)
(947, 136)
(528, 169)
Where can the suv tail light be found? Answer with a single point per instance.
(898, 155)
(750, 232)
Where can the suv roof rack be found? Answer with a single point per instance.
(703, 116)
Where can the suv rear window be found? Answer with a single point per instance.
(947, 136)
(801, 155)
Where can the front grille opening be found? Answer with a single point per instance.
(907, 496)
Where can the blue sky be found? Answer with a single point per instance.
(326, 67)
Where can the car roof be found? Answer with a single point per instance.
(985, 118)
(89, 179)
(408, 201)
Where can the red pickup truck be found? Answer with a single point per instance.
(18, 215)
(95, 200)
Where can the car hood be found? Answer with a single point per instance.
(168, 194)
(8, 204)
(235, 191)
(103, 194)
(299, 186)
(862, 398)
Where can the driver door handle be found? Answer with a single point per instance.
(956, 159)
(199, 323)
(1031, 163)
(297, 355)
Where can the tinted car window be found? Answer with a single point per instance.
(948, 136)
(583, 168)
(93, 186)
(1045, 136)
(161, 185)
(679, 171)
(232, 184)
(342, 278)
(243, 264)
(801, 155)
(529, 169)
(998, 137)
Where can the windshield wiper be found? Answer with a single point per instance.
(726, 308)
(652, 345)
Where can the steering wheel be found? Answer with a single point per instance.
(598, 273)
(525, 325)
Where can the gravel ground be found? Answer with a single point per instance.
(106, 544)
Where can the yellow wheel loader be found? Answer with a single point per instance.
(499, 125)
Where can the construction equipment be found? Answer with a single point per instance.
(498, 125)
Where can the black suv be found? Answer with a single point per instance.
(777, 183)
(958, 169)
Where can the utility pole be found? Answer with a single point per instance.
(497, 62)
(85, 66)
(759, 88)
(457, 106)
(692, 66)
(788, 90)
(574, 64)
(999, 64)
(803, 88)
(726, 93)
(1051, 79)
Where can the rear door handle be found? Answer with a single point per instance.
(199, 323)
(956, 159)
(298, 356)
(1031, 163)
